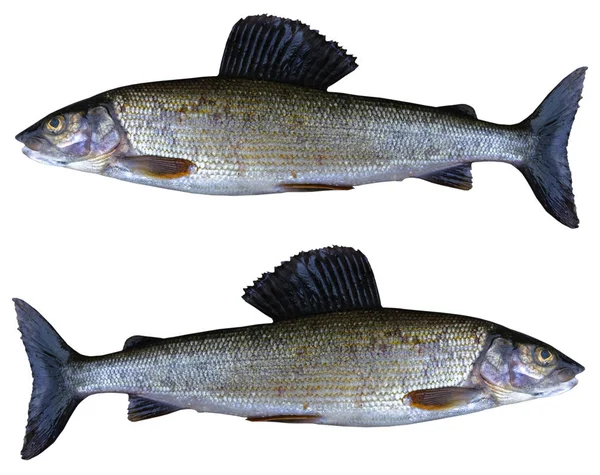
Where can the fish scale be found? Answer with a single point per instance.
(265, 134)
(352, 367)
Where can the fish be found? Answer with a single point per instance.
(266, 124)
(332, 355)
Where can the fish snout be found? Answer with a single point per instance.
(573, 365)
(28, 133)
(32, 139)
(21, 136)
(578, 367)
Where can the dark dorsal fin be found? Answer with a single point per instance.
(331, 279)
(456, 177)
(460, 109)
(277, 49)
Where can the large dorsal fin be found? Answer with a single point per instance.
(277, 49)
(331, 279)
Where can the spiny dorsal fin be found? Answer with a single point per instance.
(277, 49)
(141, 409)
(460, 109)
(331, 279)
(456, 177)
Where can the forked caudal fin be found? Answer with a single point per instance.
(52, 400)
(547, 171)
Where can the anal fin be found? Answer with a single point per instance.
(438, 399)
(141, 409)
(456, 177)
(306, 419)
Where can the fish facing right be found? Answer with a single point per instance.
(333, 355)
(266, 124)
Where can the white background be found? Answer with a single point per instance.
(103, 259)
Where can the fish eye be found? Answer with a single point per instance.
(544, 356)
(56, 124)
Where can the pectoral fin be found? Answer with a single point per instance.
(151, 166)
(441, 398)
(306, 419)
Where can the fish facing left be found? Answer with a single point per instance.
(333, 355)
(266, 124)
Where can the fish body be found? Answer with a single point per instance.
(333, 355)
(351, 368)
(251, 137)
(267, 125)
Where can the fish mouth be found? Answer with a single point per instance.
(563, 387)
(566, 374)
(569, 384)
(38, 157)
(32, 143)
(566, 377)
(555, 390)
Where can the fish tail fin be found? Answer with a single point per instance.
(52, 399)
(547, 171)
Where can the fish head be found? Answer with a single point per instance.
(83, 136)
(516, 368)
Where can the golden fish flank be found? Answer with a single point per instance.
(333, 355)
(266, 124)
